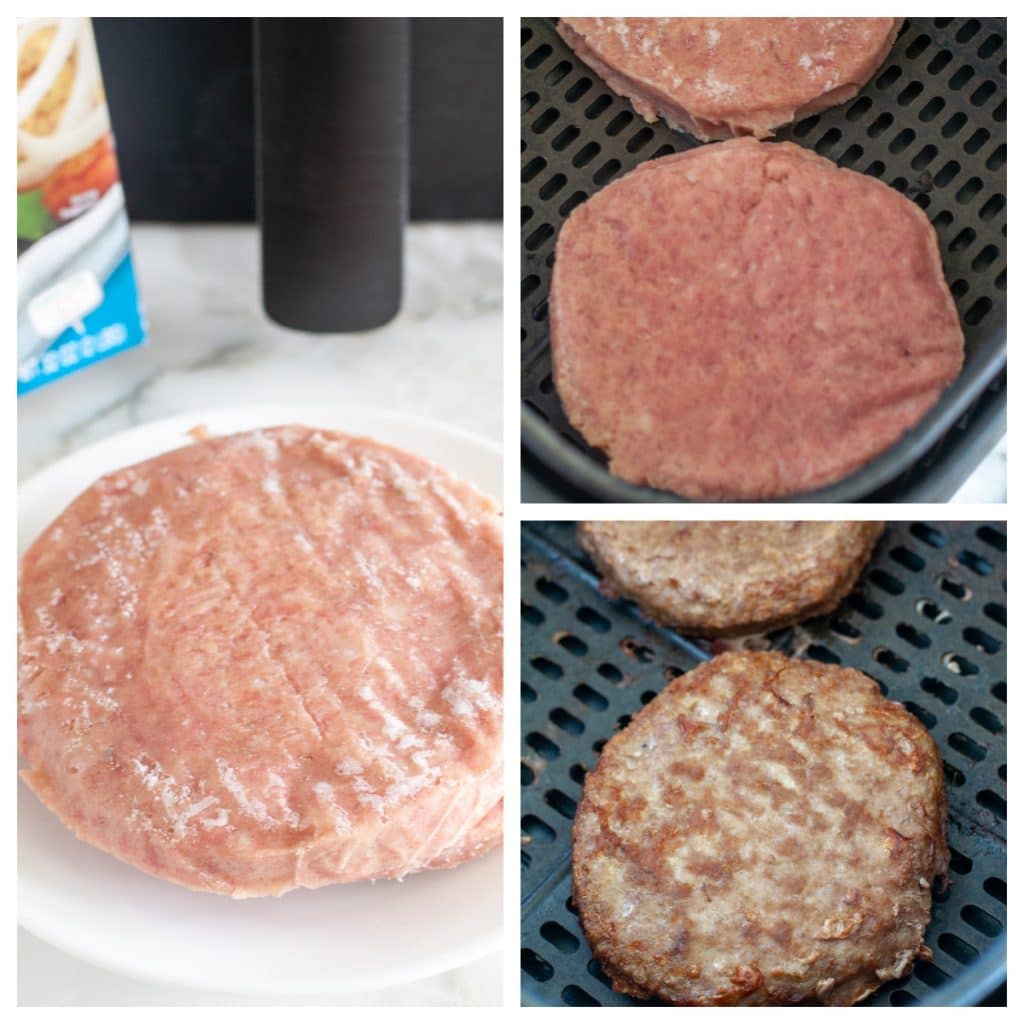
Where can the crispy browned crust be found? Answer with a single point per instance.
(717, 579)
(765, 831)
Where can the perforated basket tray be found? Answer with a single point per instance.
(927, 621)
(932, 123)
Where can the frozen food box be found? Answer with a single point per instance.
(77, 300)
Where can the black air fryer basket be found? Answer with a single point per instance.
(927, 621)
(932, 124)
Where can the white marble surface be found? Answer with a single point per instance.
(210, 345)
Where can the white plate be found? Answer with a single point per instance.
(338, 939)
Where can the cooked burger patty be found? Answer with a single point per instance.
(747, 320)
(716, 77)
(267, 661)
(729, 578)
(766, 830)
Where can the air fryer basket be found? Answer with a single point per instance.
(927, 621)
(932, 123)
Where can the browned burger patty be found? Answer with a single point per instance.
(766, 830)
(716, 77)
(729, 578)
(747, 320)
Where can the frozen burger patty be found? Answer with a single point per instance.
(766, 830)
(728, 578)
(267, 661)
(747, 320)
(716, 77)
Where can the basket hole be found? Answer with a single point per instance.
(671, 672)
(536, 966)
(901, 997)
(598, 107)
(528, 102)
(961, 951)
(846, 630)
(968, 190)
(939, 690)
(565, 138)
(993, 207)
(954, 777)
(925, 717)
(939, 61)
(947, 173)
(537, 830)
(664, 150)
(566, 722)
(526, 774)
(578, 89)
(532, 616)
(982, 566)
(588, 695)
(552, 186)
(802, 128)
(632, 647)
(562, 939)
(606, 172)
(527, 693)
(618, 122)
(647, 696)
(889, 76)
(980, 921)
(821, 653)
(547, 667)
(599, 746)
(932, 109)
(924, 157)
(622, 721)
(942, 220)
(999, 114)
(608, 671)
(828, 140)
(586, 154)
(996, 612)
(992, 537)
(960, 862)
(999, 691)
(990, 46)
(578, 773)
(547, 749)
(961, 77)
(964, 240)
(551, 590)
(887, 582)
(573, 995)
(968, 31)
(880, 125)
(996, 888)
(545, 121)
(639, 140)
(909, 93)
(533, 168)
(987, 720)
(594, 970)
(996, 158)
(976, 141)
(572, 202)
(912, 636)
(529, 285)
(992, 802)
(561, 803)
(595, 620)
(890, 660)
(978, 311)
(981, 640)
(851, 156)
(539, 237)
(959, 665)
(955, 588)
(537, 57)
(858, 109)
(963, 744)
(573, 644)
(983, 94)
(918, 46)
(1002, 772)
(930, 610)
(929, 534)
(953, 125)
(875, 169)
(865, 606)
(931, 975)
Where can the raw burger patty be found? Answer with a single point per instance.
(266, 661)
(728, 578)
(716, 77)
(766, 830)
(746, 320)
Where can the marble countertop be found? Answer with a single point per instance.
(211, 345)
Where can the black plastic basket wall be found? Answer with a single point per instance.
(932, 124)
(927, 621)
